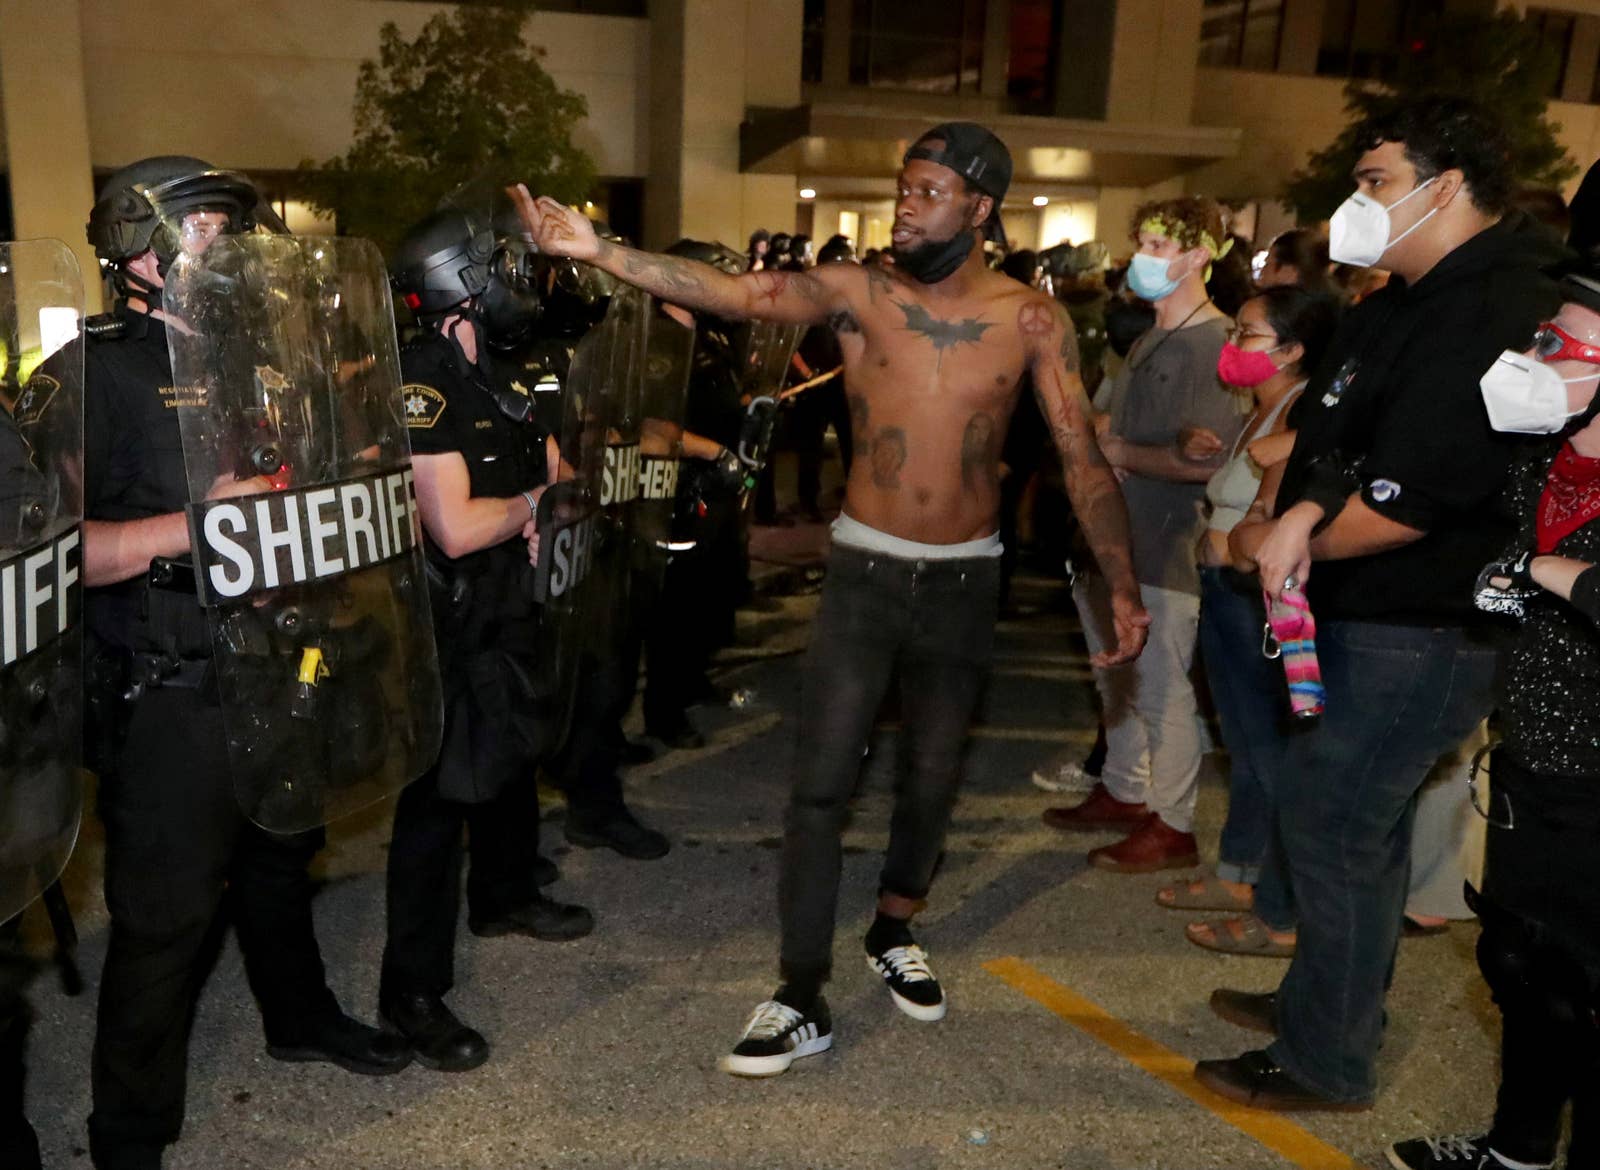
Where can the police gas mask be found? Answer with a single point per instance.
(510, 306)
(1525, 395)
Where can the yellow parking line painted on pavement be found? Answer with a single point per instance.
(1272, 1130)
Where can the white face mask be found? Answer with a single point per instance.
(1527, 397)
(1358, 233)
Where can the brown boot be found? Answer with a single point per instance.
(1153, 845)
(1100, 811)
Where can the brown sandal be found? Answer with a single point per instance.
(1245, 935)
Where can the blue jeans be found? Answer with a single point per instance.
(1398, 698)
(1253, 710)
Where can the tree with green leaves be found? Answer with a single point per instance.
(465, 97)
(1495, 59)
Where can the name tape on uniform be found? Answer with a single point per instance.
(40, 595)
(629, 475)
(249, 544)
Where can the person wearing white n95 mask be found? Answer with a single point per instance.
(1362, 229)
(1538, 391)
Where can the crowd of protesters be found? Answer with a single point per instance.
(1363, 512)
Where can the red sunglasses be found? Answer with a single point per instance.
(1551, 343)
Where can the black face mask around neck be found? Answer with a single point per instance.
(932, 261)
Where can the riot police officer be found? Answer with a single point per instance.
(481, 462)
(176, 840)
(41, 504)
(706, 581)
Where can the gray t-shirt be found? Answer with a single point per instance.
(1170, 382)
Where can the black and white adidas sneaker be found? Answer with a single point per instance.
(911, 983)
(777, 1036)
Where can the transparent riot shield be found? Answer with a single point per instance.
(765, 356)
(663, 395)
(303, 522)
(41, 510)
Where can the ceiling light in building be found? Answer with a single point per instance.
(1041, 200)
(808, 192)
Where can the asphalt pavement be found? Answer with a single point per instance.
(1076, 1003)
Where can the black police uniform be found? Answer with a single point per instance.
(19, 1145)
(176, 840)
(485, 623)
(703, 586)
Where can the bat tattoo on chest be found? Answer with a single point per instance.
(941, 333)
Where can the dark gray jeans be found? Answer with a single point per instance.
(933, 622)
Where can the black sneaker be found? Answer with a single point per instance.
(777, 1036)
(911, 983)
(1456, 1152)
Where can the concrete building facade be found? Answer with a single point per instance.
(737, 114)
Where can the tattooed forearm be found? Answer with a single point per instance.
(1096, 498)
(682, 282)
(785, 296)
(888, 457)
(979, 462)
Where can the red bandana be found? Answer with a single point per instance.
(1571, 498)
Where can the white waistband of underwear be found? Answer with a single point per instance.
(854, 534)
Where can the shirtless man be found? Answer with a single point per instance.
(934, 349)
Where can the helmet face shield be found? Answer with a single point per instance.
(197, 229)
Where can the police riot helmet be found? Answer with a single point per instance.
(716, 254)
(143, 208)
(836, 251)
(442, 263)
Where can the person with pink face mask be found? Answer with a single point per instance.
(1280, 335)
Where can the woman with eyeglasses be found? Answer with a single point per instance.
(1540, 899)
(1279, 337)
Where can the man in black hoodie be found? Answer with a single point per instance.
(1386, 513)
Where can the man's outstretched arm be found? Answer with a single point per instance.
(1091, 485)
(796, 298)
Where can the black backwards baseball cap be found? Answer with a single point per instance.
(975, 154)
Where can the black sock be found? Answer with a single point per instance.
(887, 932)
(799, 992)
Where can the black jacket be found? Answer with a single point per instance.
(1551, 695)
(1395, 406)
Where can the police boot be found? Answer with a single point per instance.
(19, 1147)
(616, 829)
(441, 1042)
(543, 918)
(346, 1042)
